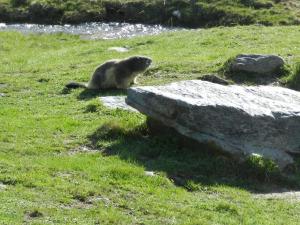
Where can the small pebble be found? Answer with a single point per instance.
(118, 49)
(115, 102)
(149, 173)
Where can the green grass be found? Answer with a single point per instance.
(206, 13)
(293, 81)
(47, 174)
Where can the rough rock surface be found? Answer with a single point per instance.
(214, 79)
(115, 102)
(257, 64)
(240, 120)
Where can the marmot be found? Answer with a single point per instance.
(115, 73)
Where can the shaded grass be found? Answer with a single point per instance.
(43, 129)
(196, 13)
(187, 164)
(293, 81)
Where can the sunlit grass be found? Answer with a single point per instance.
(66, 159)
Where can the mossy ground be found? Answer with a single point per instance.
(66, 159)
(204, 13)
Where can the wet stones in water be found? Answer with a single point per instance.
(90, 30)
(256, 64)
(239, 120)
(116, 102)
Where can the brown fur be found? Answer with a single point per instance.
(116, 73)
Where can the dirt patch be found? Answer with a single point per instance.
(33, 215)
(87, 203)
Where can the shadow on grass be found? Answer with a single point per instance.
(88, 94)
(65, 91)
(252, 79)
(188, 166)
(293, 81)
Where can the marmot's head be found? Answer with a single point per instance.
(139, 63)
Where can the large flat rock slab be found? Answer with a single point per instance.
(240, 120)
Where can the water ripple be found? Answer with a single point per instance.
(91, 30)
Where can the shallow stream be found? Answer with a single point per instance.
(91, 30)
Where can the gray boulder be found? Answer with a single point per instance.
(257, 64)
(240, 120)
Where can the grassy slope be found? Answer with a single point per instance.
(202, 13)
(43, 127)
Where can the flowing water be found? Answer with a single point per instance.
(91, 30)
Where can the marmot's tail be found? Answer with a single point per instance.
(76, 85)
